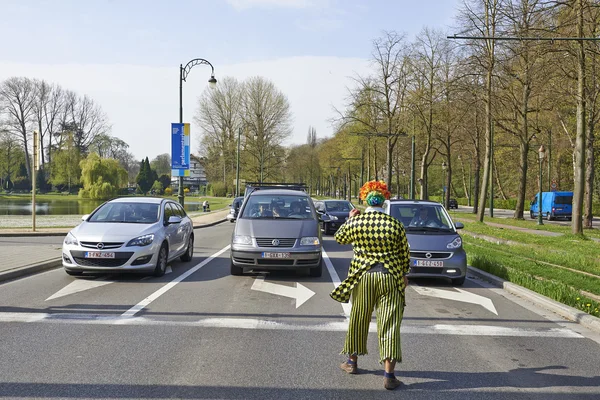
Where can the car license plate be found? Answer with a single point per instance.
(276, 255)
(427, 263)
(99, 254)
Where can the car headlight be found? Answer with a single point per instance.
(333, 218)
(242, 239)
(309, 241)
(455, 244)
(141, 240)
(70, 239)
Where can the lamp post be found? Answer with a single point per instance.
(183, 73)
(541, 156)
(444, 166)
(237, 167)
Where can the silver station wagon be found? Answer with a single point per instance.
(277, 229)
(436, 249)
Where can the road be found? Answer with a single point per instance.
(200, 333)
(501, 213)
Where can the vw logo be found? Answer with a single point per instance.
(275, 242)
(428, 255)
(100, 246)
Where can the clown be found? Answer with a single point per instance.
(376, 279)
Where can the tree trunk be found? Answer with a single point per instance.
(579, 151)
(589, 176)
(523, 165)
(488, 148)
(498, 182)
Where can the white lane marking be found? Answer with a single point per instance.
(336, 282)
(79, 285)
(144, 303)
(461, 295)
(301, 293)
(254, 323)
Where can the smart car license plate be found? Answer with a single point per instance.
(99, 254)
(276, 255)
(427, 263)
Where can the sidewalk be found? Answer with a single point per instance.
(26, 257)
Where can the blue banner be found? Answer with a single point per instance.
(180, 146)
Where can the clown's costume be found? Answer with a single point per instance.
(376, 279)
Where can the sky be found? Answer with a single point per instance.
(125, 54)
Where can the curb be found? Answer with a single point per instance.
(30, 269)
(210, 224)
(34, 234)
(570, 313)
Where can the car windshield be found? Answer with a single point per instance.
(129, 213)
(262, 206)
(421, 217)
(341, 206)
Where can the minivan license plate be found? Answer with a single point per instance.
(276, 255)
(99, 254)
(427, 263)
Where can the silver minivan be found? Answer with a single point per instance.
(277, 229)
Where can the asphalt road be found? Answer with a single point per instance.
(501, 213)
(200, 333)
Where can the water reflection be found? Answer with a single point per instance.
(22, 206)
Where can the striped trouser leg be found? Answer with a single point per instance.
(390, 309)
(364, 297)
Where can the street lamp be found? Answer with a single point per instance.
(183, 73)
(444, 166)
(541, 156)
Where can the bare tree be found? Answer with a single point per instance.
(267, 118)
(17, 97)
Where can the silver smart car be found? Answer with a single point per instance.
(130, 234)
(435, 246)
(277, 229)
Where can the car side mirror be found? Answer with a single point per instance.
(174, 220)
(324, 217)
(85, 217)
(459, 225)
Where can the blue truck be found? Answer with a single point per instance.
(554, 205)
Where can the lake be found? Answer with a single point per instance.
(22, 206)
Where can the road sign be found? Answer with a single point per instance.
(554, 185)
(180, 147)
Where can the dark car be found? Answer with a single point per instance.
(332, 214)
(235, 208)
(452, 203)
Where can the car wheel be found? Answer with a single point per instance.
(459, 281)
(236, 270)
(189, 252)
(74, 273)
(161, 262)
(550, 217)
(316, 271)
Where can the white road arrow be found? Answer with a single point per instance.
(461, 295)
(301, 293)
(78, 285)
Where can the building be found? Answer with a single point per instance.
(196, 178)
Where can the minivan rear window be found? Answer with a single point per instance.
(564, 200)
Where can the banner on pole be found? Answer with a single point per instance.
(180, 148)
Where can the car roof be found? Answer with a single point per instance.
(271, 192)
(140, 199)
(415, 202)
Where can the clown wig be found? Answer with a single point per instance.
(374, 193)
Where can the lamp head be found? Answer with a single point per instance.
(212, 82)
(542, 152)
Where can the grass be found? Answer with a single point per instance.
(563, 286)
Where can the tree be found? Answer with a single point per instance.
(162, 164)
(267, 117)
(65, 168)
(146, 177)
(11, 156)
(17, 96)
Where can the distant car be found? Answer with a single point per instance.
(130, 234)
(277, 229)
(332, 214)
(235, 208)
(435, 246)
(452, 203)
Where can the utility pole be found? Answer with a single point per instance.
(492, 172)
(237, 168)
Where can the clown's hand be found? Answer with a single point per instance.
(354, 212)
